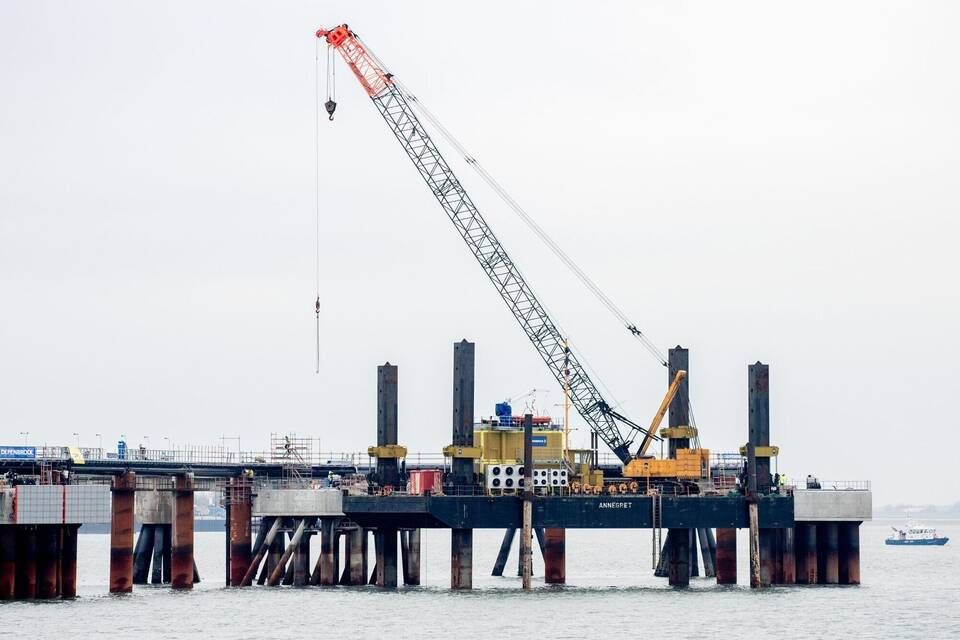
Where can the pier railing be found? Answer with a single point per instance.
(222, 455)
(830, 485)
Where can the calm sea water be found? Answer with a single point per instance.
(907, 593)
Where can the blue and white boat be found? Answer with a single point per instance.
(916, 534)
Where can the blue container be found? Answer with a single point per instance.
(504, 412)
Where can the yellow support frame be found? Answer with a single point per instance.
(762, 452)
(388, 451)
(455, 451)
(679, 432)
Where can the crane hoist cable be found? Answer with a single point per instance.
(316, 105)
(331, 104)
(532, 224)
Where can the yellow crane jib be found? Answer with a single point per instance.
(662, 411)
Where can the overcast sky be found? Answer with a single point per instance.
(752, 180)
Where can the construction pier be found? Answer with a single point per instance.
(496, 474)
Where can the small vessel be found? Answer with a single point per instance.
(916, 534)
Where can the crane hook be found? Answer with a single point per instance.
(331, 106)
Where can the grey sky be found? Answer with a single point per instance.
(752, 180)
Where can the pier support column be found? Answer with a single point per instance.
(712, 546)
(284, 569)
(776, 556)
(274, 554)
(181, 539)
(726, 556)
(355, 548)
(238, 497)
(679, 416)
(555, 555)
(755, 580)
(388, 469)
(694, 561)
(758, 381)
(850, 553)
(329, 552)
(410, 556)
(504, 553)
(805, 540)
(788, 556)
(48, 561)
(68, 561)
(8, 561)
(301, 561)
(167, 550)
(142, 553)
(121, 533)
(461, 558)
(526, 530)
(768, 565)
(679, 560)
(386, 544)
(828, 551)
(708, 551)
(269, 529)
(462, 469)
(160, 543)
(26, 585)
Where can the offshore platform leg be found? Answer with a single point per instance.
(505, 545)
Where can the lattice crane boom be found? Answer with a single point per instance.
(480, 239)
